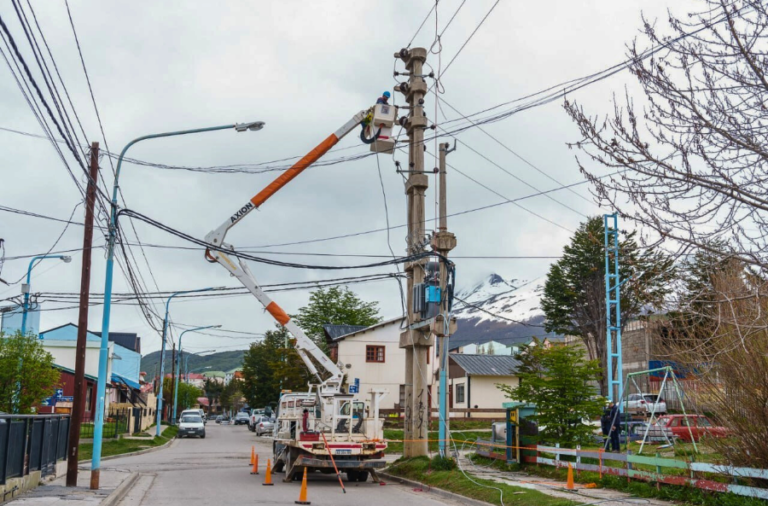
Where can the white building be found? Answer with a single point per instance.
(474, 378)
(64, 353)
(372, 356)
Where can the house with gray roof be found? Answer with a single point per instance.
(473, 380)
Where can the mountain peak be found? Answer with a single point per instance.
(494, 279)
(506, 299)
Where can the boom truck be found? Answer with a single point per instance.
(324, 428)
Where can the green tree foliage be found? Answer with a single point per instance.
(187, 398)
(557, 380)
(574, 292)
(212, 390)
(269, 366)
(24, 362)
(335, 306)
(232, 396)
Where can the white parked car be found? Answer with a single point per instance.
(646, 404)
(198, 412)
(191, 424)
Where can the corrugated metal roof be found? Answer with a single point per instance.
(334, 332)
(487, 365)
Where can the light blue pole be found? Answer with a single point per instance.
(103, 351)
(613, 306)
(162, 357)
(178, 366)
(25, 309)
(25, 306)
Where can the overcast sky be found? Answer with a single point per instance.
(304, 68)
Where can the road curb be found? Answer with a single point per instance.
(434, 490)
(131, 454)
(120, 492)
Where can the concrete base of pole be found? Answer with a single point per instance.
(95, 479)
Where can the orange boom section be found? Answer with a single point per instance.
(278, 313)
(287, 176)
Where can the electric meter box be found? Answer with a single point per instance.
(384, 116)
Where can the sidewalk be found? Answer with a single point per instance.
(555, 488)
(56, 492)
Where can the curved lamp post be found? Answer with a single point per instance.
(25, 287)
(178, 366)
(103, 351)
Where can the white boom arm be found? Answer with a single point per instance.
(304, 345)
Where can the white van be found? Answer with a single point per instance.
(196, 412)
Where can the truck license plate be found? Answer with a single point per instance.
(344, 452)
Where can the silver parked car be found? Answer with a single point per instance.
(264, 425)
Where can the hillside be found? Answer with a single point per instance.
(222, 361)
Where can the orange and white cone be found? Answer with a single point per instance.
(303, 493)
(569, 482)
(253, 452)
(255, 468)
(268, 476)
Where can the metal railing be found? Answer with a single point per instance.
(32, 443)
(115, 424)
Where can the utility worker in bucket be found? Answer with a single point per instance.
(384, 98)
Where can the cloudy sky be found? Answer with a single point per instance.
(304, 68)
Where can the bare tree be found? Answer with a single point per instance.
(692, 162)
(719, 339)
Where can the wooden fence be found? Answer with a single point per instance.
(688, 474)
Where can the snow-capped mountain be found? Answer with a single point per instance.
(499, 299)
(498, 309)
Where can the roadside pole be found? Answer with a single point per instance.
(416, 342)
(443, 242)
(78, 404)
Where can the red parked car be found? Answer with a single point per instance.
(685, 426)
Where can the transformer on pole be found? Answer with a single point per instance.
(613, 306)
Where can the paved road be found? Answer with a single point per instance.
(214, 471)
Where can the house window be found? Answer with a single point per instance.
(374, 354)
(88, 398)
(459, 394)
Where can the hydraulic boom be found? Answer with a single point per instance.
(304, 346)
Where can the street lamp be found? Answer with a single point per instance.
(103, 351)
(162, 355)
(25, 287)
(178, 366)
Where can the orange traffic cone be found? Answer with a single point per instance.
(303, 493)
(255, 468)
(253, 452)
(569, 482)
(268, 477)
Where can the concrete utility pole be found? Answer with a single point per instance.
(415, 341)
(443, 242)
(78, 404)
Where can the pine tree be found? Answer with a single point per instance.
(574, 292)
(559, 382)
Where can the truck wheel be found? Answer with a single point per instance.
(352, 476)
(362, 476)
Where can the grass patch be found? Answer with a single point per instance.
(421, 469)
(121, 446)
(687, 495)
(459, 438)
